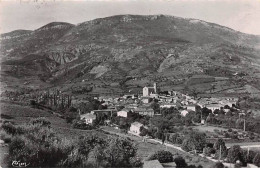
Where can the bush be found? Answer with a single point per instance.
(5, 137)
(235, 153)
(249, 155)
(9, 128)
(256, 160)
(162, 156)
(180, 162)
(219, 165)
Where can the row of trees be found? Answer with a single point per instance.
(235, 154)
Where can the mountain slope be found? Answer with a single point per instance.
(143, 48)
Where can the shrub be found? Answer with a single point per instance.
(219, 165)
(135, 162)
(5, 137)
(249, 155)
(143, 131)
(180, 162)
(235, 153)
(45, 153)
(256, 160)
(162, 156)
(9, 128)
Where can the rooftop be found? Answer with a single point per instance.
(137, 124)
(88, 116)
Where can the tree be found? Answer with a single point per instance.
(256, 160)
(117, 153)
(162, 156)
(180, 162)
(249, 155)
(221, 149)
(156, 107)
(143, 131)
(194, 141)
(235, 153)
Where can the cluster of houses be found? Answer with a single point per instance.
(142, 105)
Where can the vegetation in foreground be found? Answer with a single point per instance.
(38, 145)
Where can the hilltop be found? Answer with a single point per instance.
(130, 51)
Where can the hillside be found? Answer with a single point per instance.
(129, 51)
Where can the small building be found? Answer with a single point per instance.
(135, 128)
(89, 118)
(123, 113)
(184, 113)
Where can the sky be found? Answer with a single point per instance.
(240, 15)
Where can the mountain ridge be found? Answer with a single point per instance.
(152, 47)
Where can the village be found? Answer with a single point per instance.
(141, 105)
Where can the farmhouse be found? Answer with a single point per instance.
(89, 118)
(123, 113)
(184, 113)
(135, 128)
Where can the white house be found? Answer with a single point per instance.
(123, 113)
(135, 128)
(184, 113)
(89, 118)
